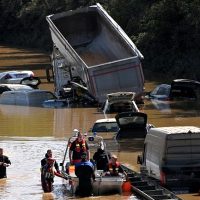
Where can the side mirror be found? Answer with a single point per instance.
(140, 159)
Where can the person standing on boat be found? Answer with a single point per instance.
(84, 170)
(4, 162)
(101, 158)
(114, 167)
(76, 149)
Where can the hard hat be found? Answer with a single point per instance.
(75, 132)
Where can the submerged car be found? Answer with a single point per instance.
(15, 76)
(179, 89)
(161, 92)
(120, 102)
(107, 127)
(132, 125)
(34, 97)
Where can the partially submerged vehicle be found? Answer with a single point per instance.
(107, 128)
(132, 125)
(103, 184)
(171, 155)
(30, 97)
(14, 77)
(178, 89)
(120, 102)
(89, 44)
(13, 87)
(161, 92)
(28, 83)
(77, 93)
(185, 88)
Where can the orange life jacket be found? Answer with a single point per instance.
(113, 169)
(83, 146)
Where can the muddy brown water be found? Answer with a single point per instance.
(27, 132)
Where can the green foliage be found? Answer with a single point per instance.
(167, 32)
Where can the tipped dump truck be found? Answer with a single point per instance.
(89, 44)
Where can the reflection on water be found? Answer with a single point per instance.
(27, 132)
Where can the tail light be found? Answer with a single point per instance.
(162, 178)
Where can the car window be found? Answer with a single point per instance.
(49, 95)
(128, 120)
(22, 75)
(162, 91)
(105, 127)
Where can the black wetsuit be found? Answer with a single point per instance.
(85, 172)
(101, 159)
(3, 159)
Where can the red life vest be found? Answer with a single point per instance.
(80, 146)
(114, 169)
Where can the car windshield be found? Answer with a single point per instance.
(105, 127)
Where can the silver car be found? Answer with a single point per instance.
(14, 76)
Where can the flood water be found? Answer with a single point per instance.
(27, 132)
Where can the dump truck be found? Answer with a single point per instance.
(89, 44)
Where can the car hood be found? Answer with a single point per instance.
(127, 120)
(120, 96)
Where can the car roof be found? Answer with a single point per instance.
(185, 81)
(106, 120)
(16, 71)
(16, 86)
(29, 91)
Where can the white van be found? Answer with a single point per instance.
(26, 97)
(172, 155)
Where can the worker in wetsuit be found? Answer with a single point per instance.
(101, 158)
(4, 163)
(48, 164)
(44, 160)
(84, 170)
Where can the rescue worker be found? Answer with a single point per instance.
(49, 155)
(4, 162)
(84, 170)
(114, 167)
(47, 175)
(49, 168)
(101, 159)
(76, 149)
